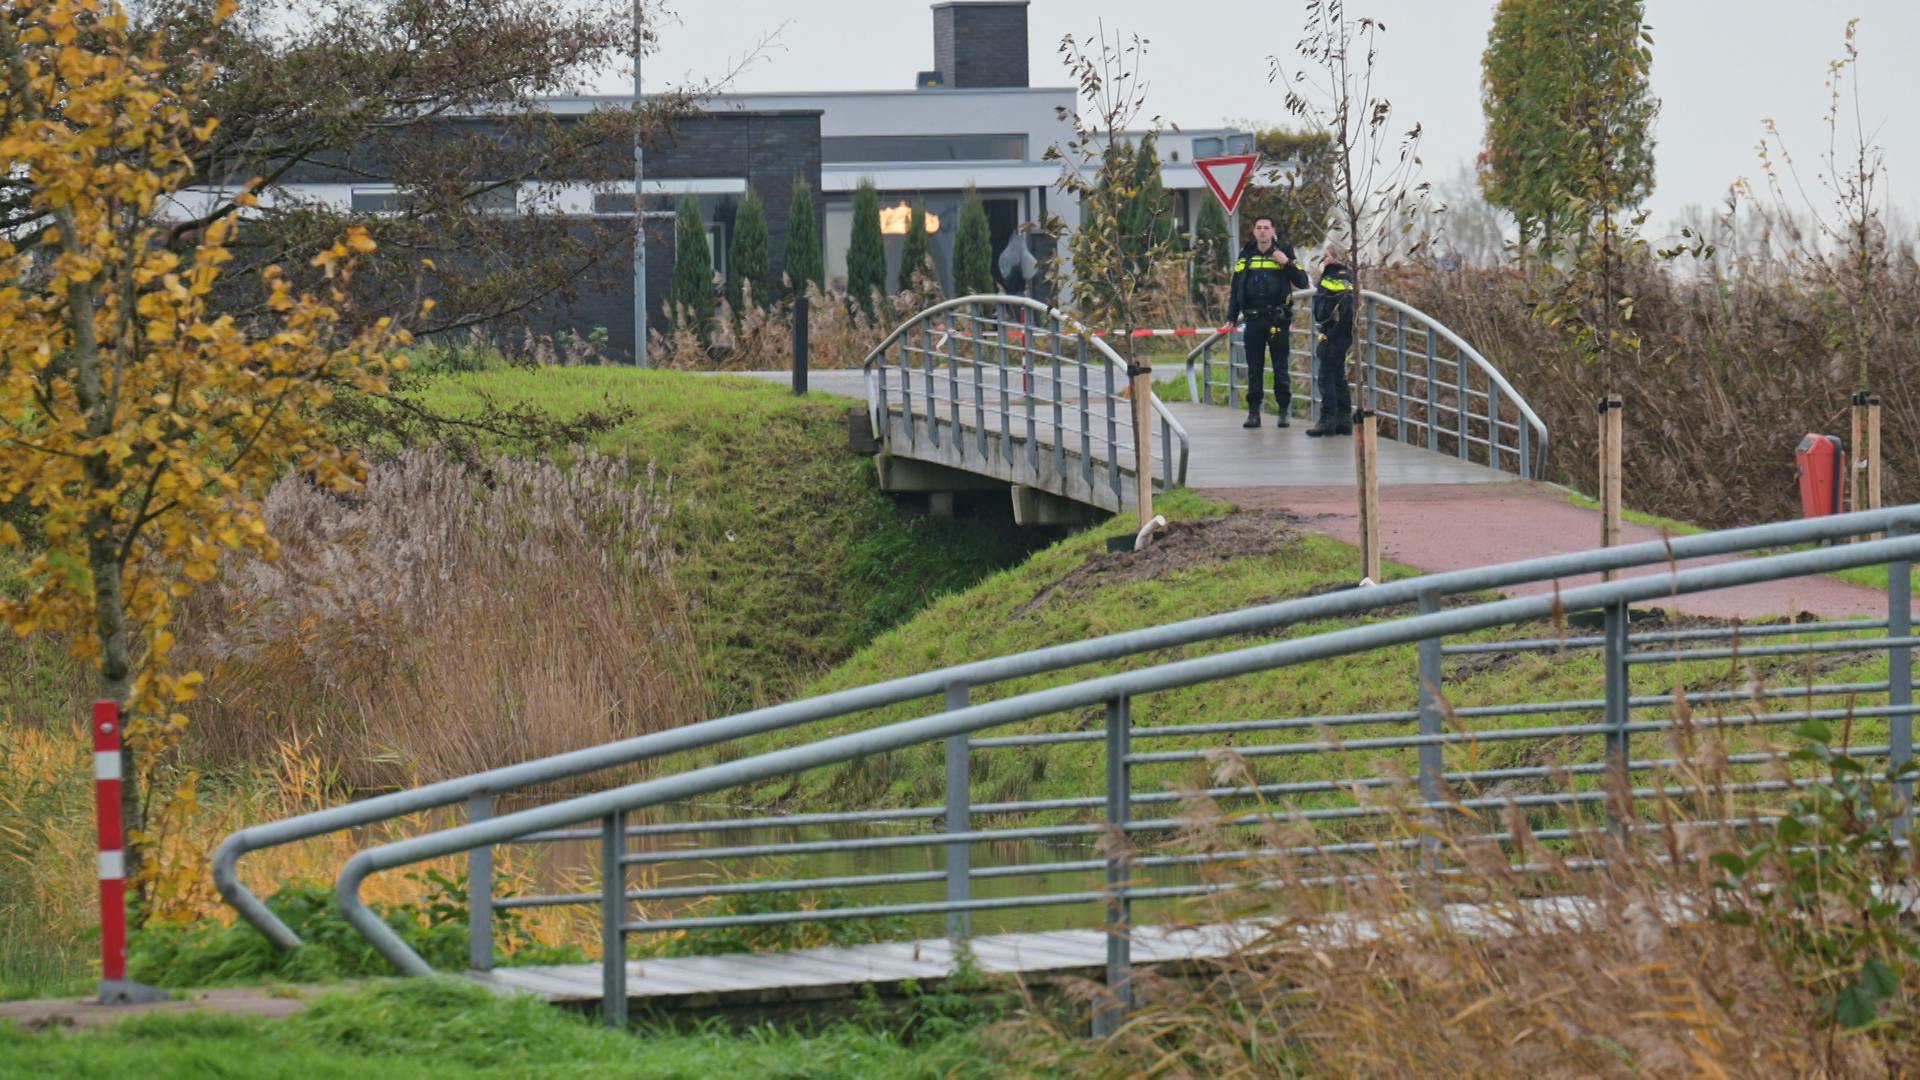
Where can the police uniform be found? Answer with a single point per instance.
(1332, 337)
(1263, 292)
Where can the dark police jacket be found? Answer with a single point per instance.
(1333, 307)
(1261, 286)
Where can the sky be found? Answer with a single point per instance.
(1720, 68)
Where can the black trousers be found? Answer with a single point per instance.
(1268, 334)
(1330, 376)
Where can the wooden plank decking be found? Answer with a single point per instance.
(691, 982)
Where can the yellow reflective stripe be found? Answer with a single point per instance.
(1335, 285)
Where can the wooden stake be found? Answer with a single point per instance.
(1873, 447)
(1140, 382)
(1860, 445)
(1612, 450)
(1366, 461)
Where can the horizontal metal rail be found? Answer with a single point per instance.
(1113, 691)
(792, 715)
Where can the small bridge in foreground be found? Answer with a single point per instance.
(700, 856)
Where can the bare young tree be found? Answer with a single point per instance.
(1126, 237)
(1838, 238)
(1376, 166)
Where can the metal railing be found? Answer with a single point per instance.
(990, 851)
(1012, 388)
(1426, 384)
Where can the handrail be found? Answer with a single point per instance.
(1077, 329)
(1900, 548)
(1494, 377)
(792, 714)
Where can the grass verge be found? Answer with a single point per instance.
(445, 1028)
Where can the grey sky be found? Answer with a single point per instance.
(1720, 67)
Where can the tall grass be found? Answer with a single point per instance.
(443, 622)
(1669, 942)
(1735, 367)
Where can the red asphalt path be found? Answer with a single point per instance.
(1435, 528)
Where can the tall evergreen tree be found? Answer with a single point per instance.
(803, 263)
(867, 251)
(1569, 115)
(916, 251)
(1212, 257)
(692, 265)
(1148, 225)
(747, 261)
(972, 248)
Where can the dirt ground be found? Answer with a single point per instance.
(1185, 544)
(270, 1002)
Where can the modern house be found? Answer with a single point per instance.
(974, 119)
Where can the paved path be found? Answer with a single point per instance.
(1457, 526)
(1438, 513)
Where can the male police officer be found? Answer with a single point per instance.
(1264, 280)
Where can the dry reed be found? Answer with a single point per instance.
(442, 622)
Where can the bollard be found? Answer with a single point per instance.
(800, 342)
(115, 987)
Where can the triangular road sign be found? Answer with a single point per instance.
(1227, 176)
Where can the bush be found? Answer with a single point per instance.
(692, 266)
(972, 248)
(802, 258)
(917, 273)
(747, 280)
(208, 953)
(866, 251)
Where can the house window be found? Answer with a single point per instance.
(866, 148)
(499, 200)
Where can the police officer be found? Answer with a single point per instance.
(1264, 280)
(1332, 337)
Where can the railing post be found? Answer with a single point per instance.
(1462, 413)
(1107, 1018)
(1400, 375)
(1059, 421)
(1086, 415)
(1234, 349)
(1372, 385)
(979, 387)
(1432, 726)
(480, 891)
(1493, 425)
(1433, 417)
(800, 342)
(1206, 374)
(613, 918)
(1900, 679)
(1617, 711)
(959, 820)
(953, 383)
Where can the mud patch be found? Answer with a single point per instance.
(1186, 544)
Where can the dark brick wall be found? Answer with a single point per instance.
(981, 44)
(768, 149)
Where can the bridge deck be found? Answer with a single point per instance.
(825, 973)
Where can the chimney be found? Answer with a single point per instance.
(982, 43)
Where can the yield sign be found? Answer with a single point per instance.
(1227, 176)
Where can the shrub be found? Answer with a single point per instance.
(917, 273)
(866, 251)
(802, 258)
(692, 266)
(972, 248)
(747, 261)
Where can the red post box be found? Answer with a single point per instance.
(1823, 475)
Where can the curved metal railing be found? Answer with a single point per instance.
(1013, 388)
(1042, 854)
(1427, 384)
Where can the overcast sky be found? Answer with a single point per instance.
(1720, 67)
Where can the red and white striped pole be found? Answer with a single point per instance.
(115, 987)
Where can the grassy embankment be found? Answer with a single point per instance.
(791, 558)
(1074, 590)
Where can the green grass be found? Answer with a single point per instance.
(794, 556)
(430, 1028)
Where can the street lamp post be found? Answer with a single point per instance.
(639, 210)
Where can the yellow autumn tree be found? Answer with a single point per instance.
(139, 424)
